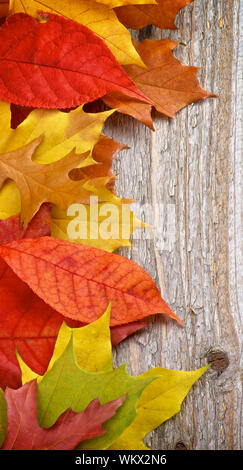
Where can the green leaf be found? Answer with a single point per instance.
(66, 385)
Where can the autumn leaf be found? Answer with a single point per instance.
(57, 64)
(12, 229)
(120, 332)
(79, 281)
(97, 17)
(36, 183)
(26, 322)
(104, 153)
(161, 15)
(100, 225)
(66, 385)
(160, 401)
(126, 105)
(62, 132)
(24, 432)
(4, 7)
(117, 3)
(168, 83)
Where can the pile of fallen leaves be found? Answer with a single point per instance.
(59, 389)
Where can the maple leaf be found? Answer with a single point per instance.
(97, 17)
(79, 281)
(168, 83)
(62, 132)
(24, 432)
(161, 15)
(57, 64)
(66, 385)
(159, 401)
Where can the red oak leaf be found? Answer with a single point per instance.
(24, 432)
(57, 64)
(79, 280)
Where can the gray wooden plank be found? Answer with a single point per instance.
(192, 167)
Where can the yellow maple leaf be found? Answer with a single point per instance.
(160, 400)
(97, 17)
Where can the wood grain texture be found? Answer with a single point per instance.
(193, 165)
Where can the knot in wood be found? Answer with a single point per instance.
(219, 360)
(180, 446)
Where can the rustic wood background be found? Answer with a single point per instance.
(193, 164)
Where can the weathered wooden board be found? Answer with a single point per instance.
(192, 167)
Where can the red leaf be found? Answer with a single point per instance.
(12, 229)
(79, 281)
(24, 432)
(27, 323)
(120, 332)
(57, 64)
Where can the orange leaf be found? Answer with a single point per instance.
(103, 153)
(79, 281)
(168, 83)
(161, 15)
(36, 183)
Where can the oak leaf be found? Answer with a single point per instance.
(57, 64)
(97, 17)
(24, 432)
(79, 281)
(168, 83)
(37, 184)
(62, 132)
(161, 15)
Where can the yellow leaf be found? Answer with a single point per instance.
(160, 401)
(61, 133)
(97, 17)
(92, 344)
(109, 233)
(92, 347)
(120, 3)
